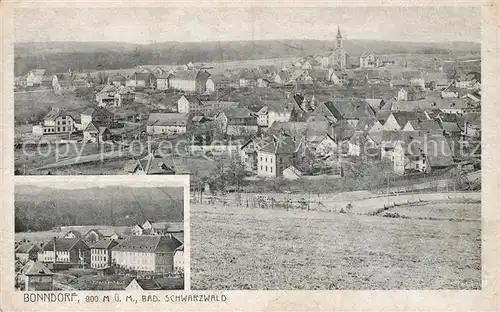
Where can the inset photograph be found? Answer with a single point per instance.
(99, 233)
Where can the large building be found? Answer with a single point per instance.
(146, 253)
(100, 253)
(57, 121)
(65, 250)
(275, 157)
(167, 123)
(194, 81)
(337, 57)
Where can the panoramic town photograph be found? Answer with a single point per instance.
(76, 234)
(326, 148)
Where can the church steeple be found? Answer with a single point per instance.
(339, 38)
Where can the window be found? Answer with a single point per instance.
(266, 168)
(418, 166)
(271, 169)
(260, 168)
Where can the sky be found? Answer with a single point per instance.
(149, 25)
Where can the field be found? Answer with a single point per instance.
(242, 248)
(28, 105)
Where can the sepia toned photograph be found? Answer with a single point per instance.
(76, 234)
(327, 148)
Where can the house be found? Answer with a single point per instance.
(436, 80)
(123, 96)
(249, 79)
(65, 250)
(34, 77)
(352, 110)
(423, 127)
(275, 156)
(164, 283)
(281, 77)
(274, 112)
(237, 121)
(117, 80)
(96, 134)
(450, 92)
(292, 173)
(468, 80)
(99, 116)
(370, 124)
(146, 253)
(137, 230)
(106, 96)
(149, 164)
(398, 119)
(179, 259)
(162, 78)
(358, 144)
(100, 253)
(193, 81)
(422, 154)
(167, 123)
(471, 125)
(73, 234)
(388, 142)
(63, 83)
(57, 121)
(328, 110)
(92, 236)
(188, 103)
(321, 145)
(263, 82)
(36, 276)
(141, 80)
(410, 94)
(109, 234)
(27, 251)
(414, 78)
(369, 60)
(199, 119)
(248, 150)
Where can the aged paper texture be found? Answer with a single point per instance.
(249, 156)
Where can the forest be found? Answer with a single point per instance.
(43, 208)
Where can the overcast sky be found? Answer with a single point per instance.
(147, 25)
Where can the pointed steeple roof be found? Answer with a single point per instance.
(339, 35)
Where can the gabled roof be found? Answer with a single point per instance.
(91, 128)
(435, 147)
(76, 233)
(141, 76)
(332, 109)
(280, 145)
(470, 118)
(104, 244)
(155, 164)
(62, 244)
(25, 248)
(425, 125)
(366, 54)
(365, 124)
(167, 119)
(238, 112)
(148, 244)
(411, 74)
(402, 117)
(54, 113)
(35, 268)
(450, 127)
(192, 99)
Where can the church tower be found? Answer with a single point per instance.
(339, 39)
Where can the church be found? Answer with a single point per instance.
(337, 57)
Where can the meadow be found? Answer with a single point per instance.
(244, 248)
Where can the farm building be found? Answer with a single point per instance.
(141, 80)
(167, 123)
(99, 116)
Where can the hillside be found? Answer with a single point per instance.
(39, 209)
(59, 56)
